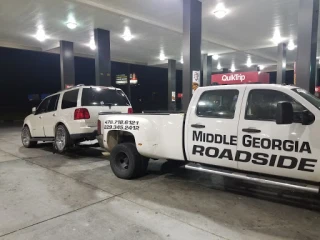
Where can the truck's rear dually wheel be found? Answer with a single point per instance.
(126, 162)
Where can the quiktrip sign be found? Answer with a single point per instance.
(239, 78)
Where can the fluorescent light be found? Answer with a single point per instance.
(127, 36)
(220, 11)
(92, 44)
(40, 35)
(261, 67)
(72, 25)
(232, 69)
(162, 57)
(291, 45)
(219, 66)
(249, 62)
(284, 65)
(277, 37)
(215, 57)
(181, 60)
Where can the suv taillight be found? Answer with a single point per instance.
(130, 110)
(99, 127)
(81, 113)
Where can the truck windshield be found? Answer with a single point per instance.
(308, 96)
(103, 97)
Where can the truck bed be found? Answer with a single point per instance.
(157, 135)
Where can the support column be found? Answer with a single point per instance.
(192, 10)
(102, 61)
(207, 69)
(172, 85)
(128, 83)
(307, 44)
(282, 63)
(67, 64)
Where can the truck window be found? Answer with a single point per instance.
(262, 104)
(69, 99)
(103, 97)
(218, 104)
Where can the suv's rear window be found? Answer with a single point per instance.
(103, 97)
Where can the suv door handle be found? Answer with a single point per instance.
(197, 126)
(40, 117)
(54, 114)
(251, 130)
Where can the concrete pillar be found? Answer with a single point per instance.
(192, 10)
(206, 69)
(103, 60)
(128, 83)
(282, 63)
(172, 85)
(307, 44)
(67, 64)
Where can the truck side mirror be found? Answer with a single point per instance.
(284, 113)
(307, 118)
(34, 110)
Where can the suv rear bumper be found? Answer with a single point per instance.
(84, 136)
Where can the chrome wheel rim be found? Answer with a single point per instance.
(60, 139)
(25, 137)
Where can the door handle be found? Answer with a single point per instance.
(197, 126)
(54, 114)
(251, 130)
(40, 117)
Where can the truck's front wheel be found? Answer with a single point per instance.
(126, 162)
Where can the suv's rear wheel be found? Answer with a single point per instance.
(126, 162)
(62, 139)
(26, 138)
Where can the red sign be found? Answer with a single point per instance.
(69, 86)
(239, 78)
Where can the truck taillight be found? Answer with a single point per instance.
(130, 110)
(81, 113)
(99, 127)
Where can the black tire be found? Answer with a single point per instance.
(126, 162)
(62, 139)
(26, 138)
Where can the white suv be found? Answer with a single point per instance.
(71, 116)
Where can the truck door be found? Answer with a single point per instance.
(212, 124)
(288, 150)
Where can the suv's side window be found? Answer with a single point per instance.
(69, 99)
(218, 104)
(262, 104)
(43, 106)
(53, 103)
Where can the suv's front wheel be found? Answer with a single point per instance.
(26, 138)
(62, 139)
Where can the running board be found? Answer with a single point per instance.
(269, 181)
(44, 139)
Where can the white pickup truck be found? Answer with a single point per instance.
(260, 132)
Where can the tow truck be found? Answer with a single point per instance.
(264, 133)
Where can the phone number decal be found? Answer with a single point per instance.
(121, 125)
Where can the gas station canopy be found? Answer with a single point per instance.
(150, 32)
